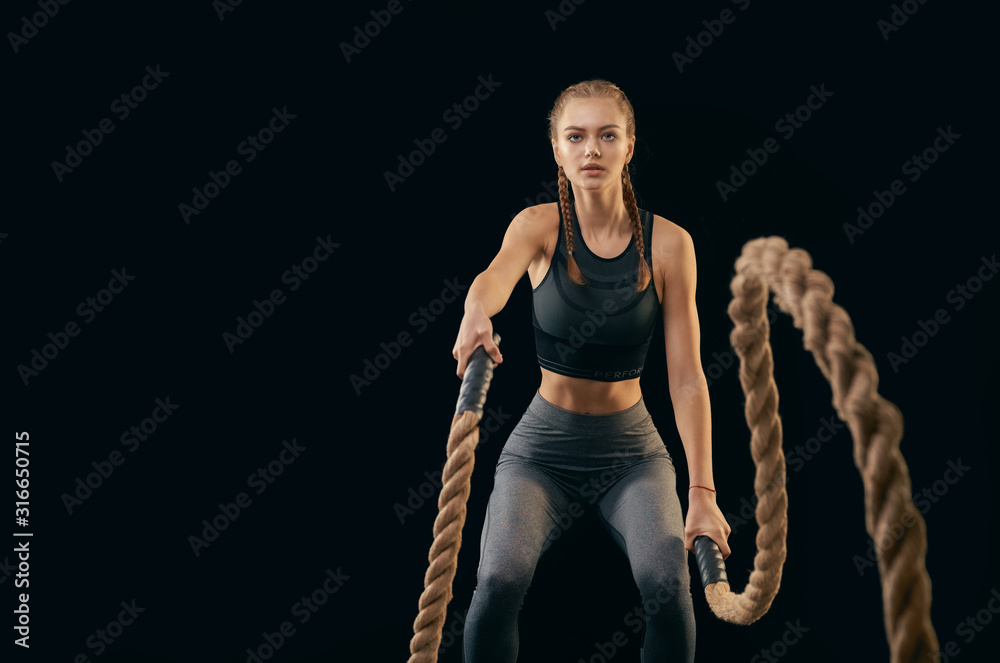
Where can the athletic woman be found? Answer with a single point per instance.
(602, 272)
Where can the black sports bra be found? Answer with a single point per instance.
(601, 330)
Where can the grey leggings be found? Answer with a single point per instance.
(555, 464)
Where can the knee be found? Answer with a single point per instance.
(665, 578)
(665, 585)
(507, 581)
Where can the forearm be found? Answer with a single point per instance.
(693, 415)
(486, 293)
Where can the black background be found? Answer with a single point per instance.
(365, 448)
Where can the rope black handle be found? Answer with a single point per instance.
(476, 381)
(710, 562)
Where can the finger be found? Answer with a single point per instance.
(720, 540)
(491, 348)
(494, 352)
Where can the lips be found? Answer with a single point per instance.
(592, 166)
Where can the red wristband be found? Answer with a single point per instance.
(705, 487)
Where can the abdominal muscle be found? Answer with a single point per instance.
(578, 394)
(588, 396)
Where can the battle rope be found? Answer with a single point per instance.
(876, 426)
(456, 478)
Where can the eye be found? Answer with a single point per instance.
(609, 133)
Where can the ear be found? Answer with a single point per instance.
(555, 153)
(631, 149)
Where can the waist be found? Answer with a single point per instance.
(564, 442)
(593, 424)
(589, 397)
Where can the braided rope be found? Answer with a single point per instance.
(876, 426)
(875, 423)
(456, 480)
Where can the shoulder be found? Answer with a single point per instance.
(672, 250)
(537, 221)
(669, 241)
(539, 215)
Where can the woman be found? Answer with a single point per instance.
(602, 271)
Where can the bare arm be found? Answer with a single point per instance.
(688, 387)
(490, 290)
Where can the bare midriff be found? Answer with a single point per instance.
(588, 396)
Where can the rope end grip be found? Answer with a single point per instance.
(476, 381)
(710, 562)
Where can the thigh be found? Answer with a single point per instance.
(523, 510)
(642, 511)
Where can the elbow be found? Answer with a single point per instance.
(486, 293)
(477, 290)
(689, 386)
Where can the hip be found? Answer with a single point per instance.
(550, 435)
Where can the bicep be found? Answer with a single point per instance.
(521, 244)
(681, 329)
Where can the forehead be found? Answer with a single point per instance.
(591, 113)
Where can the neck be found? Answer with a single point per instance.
(602, 211)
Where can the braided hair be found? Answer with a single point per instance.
(599, 88)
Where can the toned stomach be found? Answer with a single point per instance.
(588, 396)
